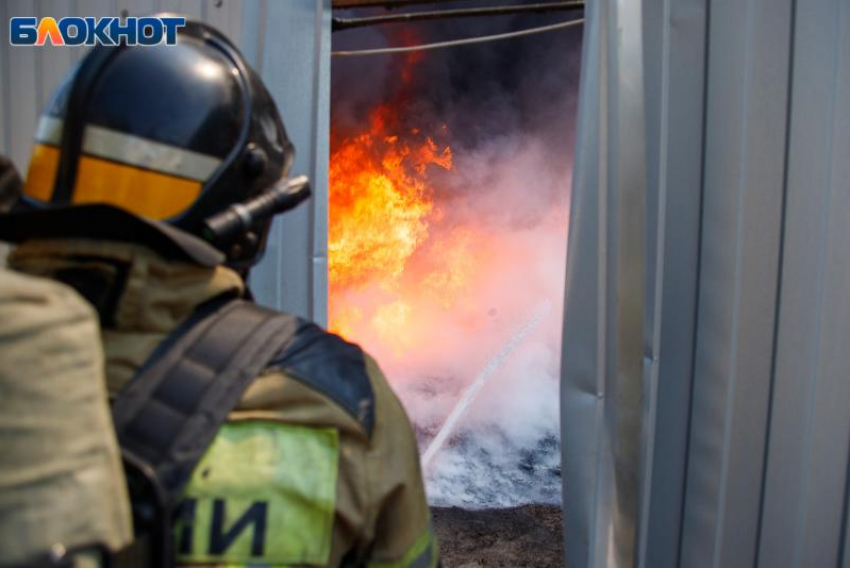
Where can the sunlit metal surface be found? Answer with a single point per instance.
(748, 131)
(602, 368)
(289, 44)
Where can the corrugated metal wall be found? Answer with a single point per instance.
(746, 454)
(602, 418)
(288, 42)
(752, 101)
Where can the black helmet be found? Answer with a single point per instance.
(139, 141)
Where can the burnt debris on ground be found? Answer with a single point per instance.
(526, 536)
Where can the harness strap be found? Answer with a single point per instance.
(168, 414)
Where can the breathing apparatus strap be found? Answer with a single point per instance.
(168, 414)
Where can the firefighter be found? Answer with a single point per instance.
(139, 149)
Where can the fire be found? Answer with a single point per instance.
(380, 203)
(382, 211)
(452, 276)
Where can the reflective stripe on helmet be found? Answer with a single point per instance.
(133, 150)
(423, 554)
(264, 493)
(49, 130)
(147, 193)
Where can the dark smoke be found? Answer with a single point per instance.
(485, 90)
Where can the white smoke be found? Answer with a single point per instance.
(504, 450)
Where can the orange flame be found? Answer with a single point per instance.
(381, 211)
(380, 203)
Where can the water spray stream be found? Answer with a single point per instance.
(489, 369)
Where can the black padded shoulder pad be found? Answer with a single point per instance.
(332, 366)
(169, 413)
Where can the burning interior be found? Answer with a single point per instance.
(449, 202)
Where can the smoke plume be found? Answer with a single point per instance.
(494, 250)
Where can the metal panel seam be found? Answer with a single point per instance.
(314, 140)
(778, 300)
(651, 400)
(736, 301)
(602, 293)
(317, 224)
(843, 552)
(698, 290)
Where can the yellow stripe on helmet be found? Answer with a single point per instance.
(142, 176)
(42, 172)
(150, 194)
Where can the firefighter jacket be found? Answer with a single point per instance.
(316, 466)
(61, 481)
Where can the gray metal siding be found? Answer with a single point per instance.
(806, 477)
(602, 365)
(747, 366)
(580, 392)
(675, 36)
(742, 216)
(768, 416)
(291, 48)
(22, 87)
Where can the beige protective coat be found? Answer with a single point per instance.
(381, 514)
(61, 481)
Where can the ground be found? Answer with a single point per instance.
(527, 536)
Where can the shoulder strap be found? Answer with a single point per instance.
(169, 413)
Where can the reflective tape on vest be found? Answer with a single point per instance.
(264, 493)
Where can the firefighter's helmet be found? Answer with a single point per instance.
(144, 143)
